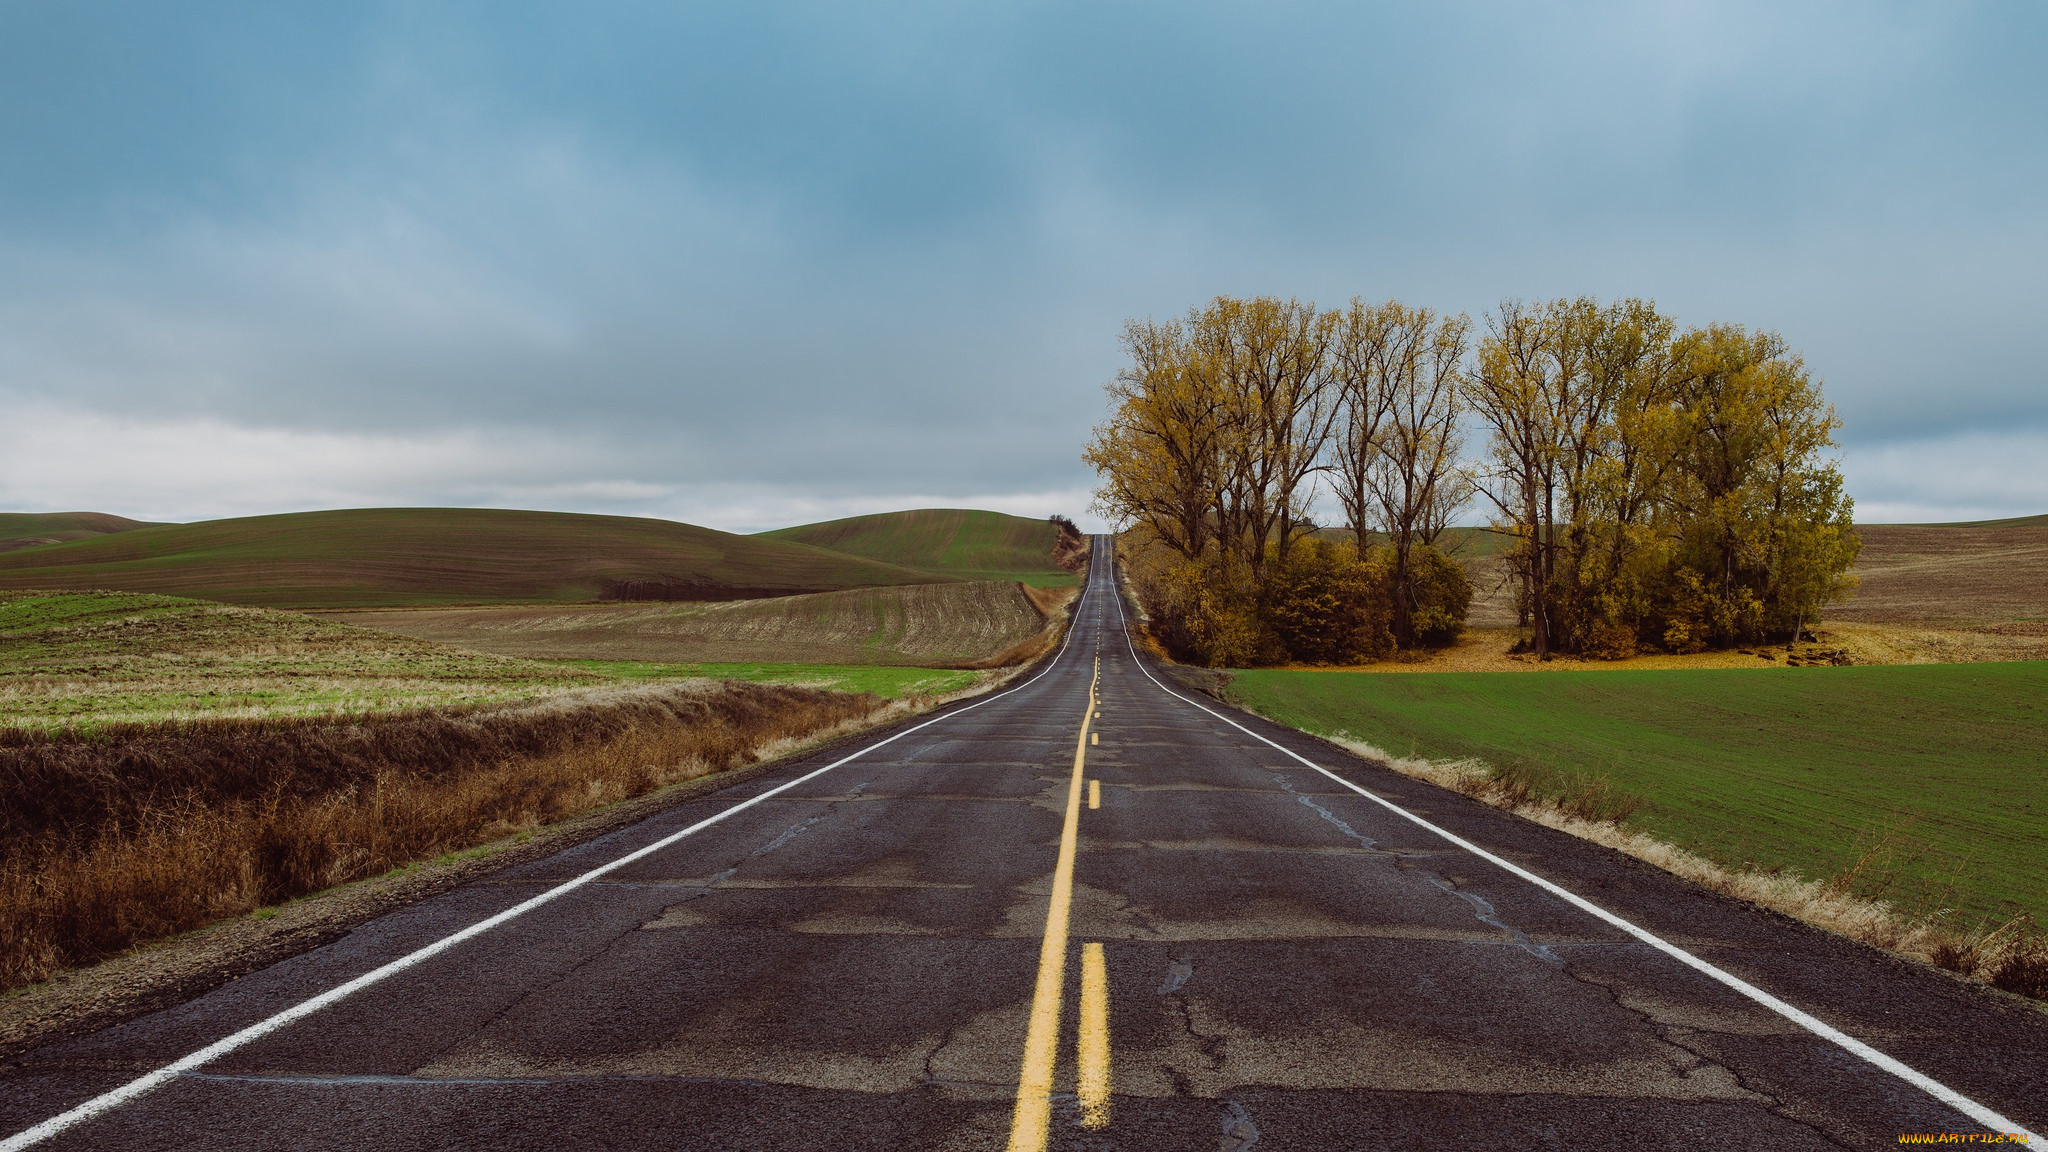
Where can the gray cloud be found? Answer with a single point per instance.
(737, 264)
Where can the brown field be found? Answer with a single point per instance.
(1929, 594)
(1952, 575)
(128, 834)
(920, 625)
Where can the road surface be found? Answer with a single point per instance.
(1084, 914)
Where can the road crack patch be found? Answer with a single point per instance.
(1676, 1037)
(1173, 991)
(1177, 974)
(1239, 1133)
(1364, 841)
(1484, 911)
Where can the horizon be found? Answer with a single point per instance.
(1315, 525)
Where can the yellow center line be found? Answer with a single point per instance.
(1092, 1048)
(1095, 793)
(1031, 1123)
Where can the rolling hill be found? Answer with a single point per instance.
(393, 556)
(960, 542)
(34, 529)
(1988, 572)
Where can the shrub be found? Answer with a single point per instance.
(1442, 596)
(1326, 606)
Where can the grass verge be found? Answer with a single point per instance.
(1916, 792)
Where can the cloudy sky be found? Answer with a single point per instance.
(749, 265)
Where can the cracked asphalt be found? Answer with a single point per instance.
(850, 964)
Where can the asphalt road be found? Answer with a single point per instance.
(1250, 952)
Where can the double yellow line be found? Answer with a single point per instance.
(1030, 1124)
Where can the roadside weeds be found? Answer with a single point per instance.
(118, 837)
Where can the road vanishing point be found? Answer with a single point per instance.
(1094, 911)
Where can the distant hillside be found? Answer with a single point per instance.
(2013, 522)
(959, 542)
(394, 556)
(34, 529)
(1986, 572)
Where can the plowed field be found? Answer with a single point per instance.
(920, 625)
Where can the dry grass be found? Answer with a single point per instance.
(1880, 643)
(1073, 551)
(923, 625)
(134, 833)
(2012, 957)
(1491, 650)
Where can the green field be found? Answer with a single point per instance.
(390, 556)
(888, 682)
(959, 542)
(1796, 768)
(35, 529)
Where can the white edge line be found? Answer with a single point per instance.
(114, 1098)
(1935, 1088)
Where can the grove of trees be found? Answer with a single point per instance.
(1653, 489)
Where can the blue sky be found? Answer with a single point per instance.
(752, 265)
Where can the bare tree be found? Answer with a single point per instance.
(1415, 476)
(1511, 388)
(1159, 454)
(1270, 360)
(1357, 354)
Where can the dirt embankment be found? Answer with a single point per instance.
(130, 834)
(1071, 549)
(923, 625)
